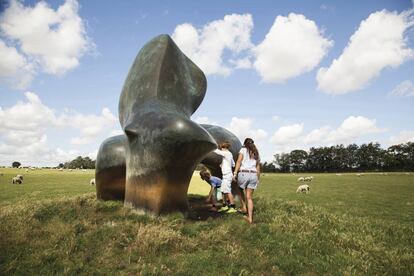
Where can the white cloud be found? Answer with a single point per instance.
(379, 42)
(206, 46)
(317, 135)
(292, 136)
(293, 46)
(14, 68)
(244, 128)
(23, 129)
(53, 40)
(287, 134)
(352, 128)
(402, 137)
(404, 89)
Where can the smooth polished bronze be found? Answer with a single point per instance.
(150, 167)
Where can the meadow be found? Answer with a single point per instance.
(52, 224)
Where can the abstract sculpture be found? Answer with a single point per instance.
(150, 167)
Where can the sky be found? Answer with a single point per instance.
(289, 74)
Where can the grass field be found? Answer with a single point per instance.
(52, 224)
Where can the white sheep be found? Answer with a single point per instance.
(308, 178)
(303, 189)
(20, 176)
(301, 179)
(27, 170)
(17, 180)
(92, 182)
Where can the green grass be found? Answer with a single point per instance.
(52, 224)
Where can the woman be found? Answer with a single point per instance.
(247, 174)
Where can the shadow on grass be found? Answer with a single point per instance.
(199, 209)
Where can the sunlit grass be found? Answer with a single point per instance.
(52, 224)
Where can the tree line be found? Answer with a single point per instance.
(340, 158)
(79, 163)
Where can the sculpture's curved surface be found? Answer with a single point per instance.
(162, 90)
(110, 169)
(212, 161)
(150, 167)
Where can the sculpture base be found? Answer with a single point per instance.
(159, 192)
(110, 183)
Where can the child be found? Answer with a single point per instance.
(215, 184)
(226, 170)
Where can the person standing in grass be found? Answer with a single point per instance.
(215, 184)
(247, 174)
(227, 165)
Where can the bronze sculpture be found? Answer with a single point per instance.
(150, 167)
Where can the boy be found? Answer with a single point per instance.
(226, 169)
(215, 184)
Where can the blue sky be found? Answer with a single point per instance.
(293, 74)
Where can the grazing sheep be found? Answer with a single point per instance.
(303, 189)
(301, 179)
(308, 178)
(27, 170)
(20, 176)
(17, 180)
(92, 182)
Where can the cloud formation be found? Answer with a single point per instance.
(206, 45)
(404, 89)
(293, 46)
(53, 40)
(291, 137)
(379, 42)
(24, 127)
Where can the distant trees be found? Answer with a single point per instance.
(16, 164)
(366, 157)
(80, 162)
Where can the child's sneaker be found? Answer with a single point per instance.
(231, 211)
(223, 209)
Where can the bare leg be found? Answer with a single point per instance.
(250, 206)
(242, 199)
(230, 197)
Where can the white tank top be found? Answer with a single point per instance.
(247, 162)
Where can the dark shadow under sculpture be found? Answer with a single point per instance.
(150, 167)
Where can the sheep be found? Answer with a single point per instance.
(359, 174)
(301, 179)
(308, 178)
(17, 180)
(20, 176)
(27, 170)
(303, 189)
(92, 182)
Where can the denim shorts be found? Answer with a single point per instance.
(247, 180)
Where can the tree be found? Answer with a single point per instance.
(81, 163)
(298, 160)
(283, 161)
(16, 164)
